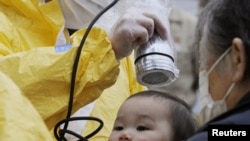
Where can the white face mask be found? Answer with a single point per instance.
(78, 13)
(209, 107)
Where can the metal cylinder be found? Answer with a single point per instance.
(154, 63)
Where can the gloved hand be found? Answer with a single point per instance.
(135, 28)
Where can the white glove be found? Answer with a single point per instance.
(135, 28)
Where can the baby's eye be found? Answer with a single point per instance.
(118, 128)
(142, 128)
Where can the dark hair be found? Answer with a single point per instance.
(223, 21)
(183, 123)
(203, 3)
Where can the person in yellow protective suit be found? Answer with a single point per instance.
(28, 35)
(38, 56)
(107, 105)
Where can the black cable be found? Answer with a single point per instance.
(61, 132)
(57, 129)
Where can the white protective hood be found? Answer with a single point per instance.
(79, 13)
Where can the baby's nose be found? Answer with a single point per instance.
(125, 136)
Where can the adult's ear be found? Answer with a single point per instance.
(238, 59)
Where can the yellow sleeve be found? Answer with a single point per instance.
(44, 75)
(27, 24)
(19, 121)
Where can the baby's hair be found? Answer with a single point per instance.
(183, 123)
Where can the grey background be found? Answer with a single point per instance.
(187, 5)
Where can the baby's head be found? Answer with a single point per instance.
(153, 116)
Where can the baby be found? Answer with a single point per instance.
(153, 116)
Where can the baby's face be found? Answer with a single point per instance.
(142, 119)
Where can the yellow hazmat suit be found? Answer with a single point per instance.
(29, 32)
(19, 121)
(38, 56)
